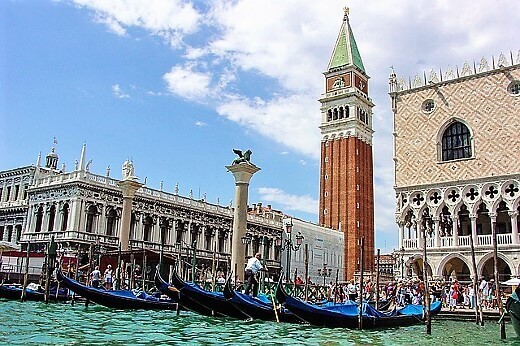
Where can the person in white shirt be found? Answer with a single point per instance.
(252, 268)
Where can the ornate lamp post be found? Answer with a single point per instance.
(325, 272)
(288, 244)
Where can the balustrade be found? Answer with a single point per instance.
(463, 241)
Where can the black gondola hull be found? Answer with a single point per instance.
(212, 301)
(184, 301)
(328, 318)
(112, 299)
(15, 293)
(257, 310)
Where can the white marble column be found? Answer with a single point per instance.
(242, 172)
(401, 234)
(473, 220)
(514, 226)
(129, 188)
(102, 225)
(455, 230)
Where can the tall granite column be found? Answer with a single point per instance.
(242, 173)
(129, 185)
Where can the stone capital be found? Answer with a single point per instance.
(242, 172)
(129, 187)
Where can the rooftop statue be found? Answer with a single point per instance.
(242, 156)
(128, 170)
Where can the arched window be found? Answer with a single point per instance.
(52, 217)
(91, 218)
(456, 142)
(65, 217)
(111, 221)
(148, 223)
(39, 219)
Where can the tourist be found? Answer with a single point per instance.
(454, 296)
(108, 277)
(471, 295)
(220, 277)
(252, 268)
(492, 298)
(95, 277)
(484, 292)
(465, 296)
(298, 281)
(352, 290)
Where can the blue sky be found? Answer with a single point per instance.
(176, 85)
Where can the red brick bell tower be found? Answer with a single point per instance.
(346, 175)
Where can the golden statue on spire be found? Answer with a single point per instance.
(346, 10)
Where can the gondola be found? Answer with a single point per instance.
(257, 308)
(513, 309)
(33, 292)
(346, 315)
(116, 299)
(185, 302)
(214, 301)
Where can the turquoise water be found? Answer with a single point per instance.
(32, 323)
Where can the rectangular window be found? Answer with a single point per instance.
(16, 192)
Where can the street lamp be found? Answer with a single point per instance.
(324, 272)
(288, 244)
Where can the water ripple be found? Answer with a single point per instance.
(62, 324)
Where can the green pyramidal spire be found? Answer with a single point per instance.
(346, 52)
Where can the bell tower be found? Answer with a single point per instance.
(346, 173)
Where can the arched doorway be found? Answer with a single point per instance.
(415, 268)
(488, 270)
(457, 269)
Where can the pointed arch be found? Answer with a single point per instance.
(455, 140)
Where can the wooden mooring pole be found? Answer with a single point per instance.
(478, 316)
(26, 274)
(306, 259)
(427, 315)
(497, 282)
(377, 277)
(361, 269)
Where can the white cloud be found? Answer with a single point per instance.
(118, 92)
(287, 201)
(282, 119)
(200, 123)
(170, 19)
(188, 83)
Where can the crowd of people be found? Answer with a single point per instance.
(452, 294)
